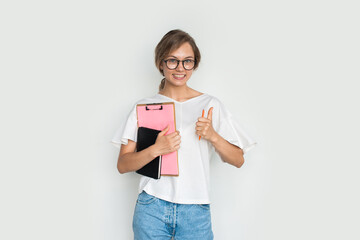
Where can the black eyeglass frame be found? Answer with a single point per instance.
(178, 63)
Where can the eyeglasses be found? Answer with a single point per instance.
(172, 64)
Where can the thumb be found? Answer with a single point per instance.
(209, 116)
(164, 131)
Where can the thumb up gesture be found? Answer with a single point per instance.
(204, 126)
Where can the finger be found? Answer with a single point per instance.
(164, 131)
(203, 119)
(177, 142)
(209, 116)
(177, 137)
(173, 134)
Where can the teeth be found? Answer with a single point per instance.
(179, 75)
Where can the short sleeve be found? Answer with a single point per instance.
(128, 130)
(231, 130)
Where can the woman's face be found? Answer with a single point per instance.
(179, 76)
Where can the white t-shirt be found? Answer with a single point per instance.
(193, 183)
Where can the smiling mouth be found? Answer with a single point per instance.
(179, 76)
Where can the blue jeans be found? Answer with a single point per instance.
(158, 219)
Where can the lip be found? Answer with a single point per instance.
(179, 78)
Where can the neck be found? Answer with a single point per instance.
(176, 92)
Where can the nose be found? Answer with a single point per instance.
(180, 67)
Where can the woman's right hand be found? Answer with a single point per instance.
(165, 144)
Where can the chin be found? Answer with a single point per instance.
(178, 82)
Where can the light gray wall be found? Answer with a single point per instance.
(287, 70)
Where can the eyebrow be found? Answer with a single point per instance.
(185, 58)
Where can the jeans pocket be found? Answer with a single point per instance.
(145, 199)
(204, 206)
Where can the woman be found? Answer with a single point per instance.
(179, 207)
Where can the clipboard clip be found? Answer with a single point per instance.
(147, 109)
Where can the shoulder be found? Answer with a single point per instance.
(213, 99)
(149, 99)
(219, 106)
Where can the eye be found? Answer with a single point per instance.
(189, 61)
(172, 60)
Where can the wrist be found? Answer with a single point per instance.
(153, 151)
(215, 138)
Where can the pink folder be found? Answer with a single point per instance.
(158, 116)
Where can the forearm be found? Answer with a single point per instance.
(228, 152)
(133, 161)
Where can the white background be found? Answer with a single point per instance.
(71, 70)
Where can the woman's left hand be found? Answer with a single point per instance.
(204, 126)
